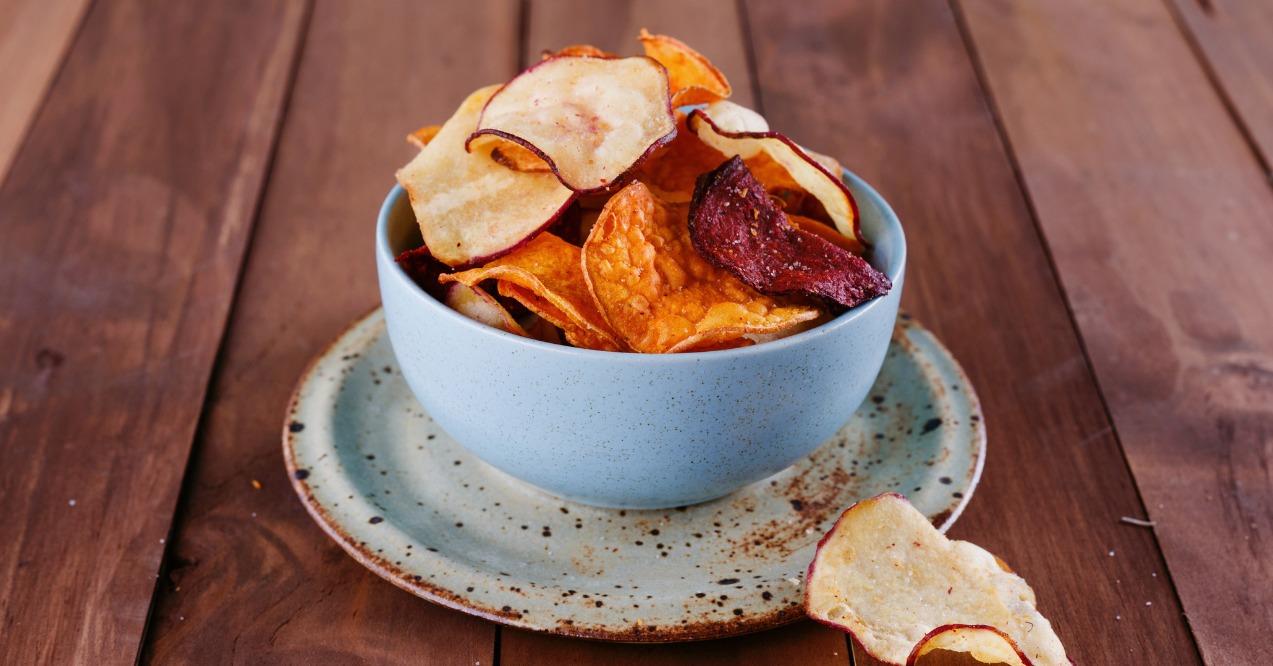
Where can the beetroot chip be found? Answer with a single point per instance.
(736, 226)
(423, 270)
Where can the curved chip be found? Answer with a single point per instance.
(546, 276)
(884, 574)
(469, 208)
(509, 154)
(692, 78)
(476, 304)
(658, 293)
(671, 172)
(804, 169)
(591, 119)
(985, 644)
(737, 227)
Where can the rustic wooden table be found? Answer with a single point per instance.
(186, 217)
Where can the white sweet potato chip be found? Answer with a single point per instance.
(470, 208)
(888, 577)
(735, 138)
(476, 304)
(592, 120)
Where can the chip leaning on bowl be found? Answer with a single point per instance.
(574, 204)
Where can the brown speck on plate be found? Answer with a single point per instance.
(498, 568)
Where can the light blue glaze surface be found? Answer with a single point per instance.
(635, 430)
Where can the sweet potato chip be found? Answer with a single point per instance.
(658, 293)
(469, 208)
(826, 232)
(476, 304)
(579, 50)
(671, 172)
(985, 644)
(811, 175)
(546, 276)
(592, 120)
(692, 78)
(887, 576)
(421, 137)
(736, 227)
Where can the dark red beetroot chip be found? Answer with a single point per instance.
(423, 269)
(736, 226)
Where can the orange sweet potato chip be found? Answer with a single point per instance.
(546, 276)
(692, 78)
(657, 292)
(585, 50)
(421, 137)
(671, 172)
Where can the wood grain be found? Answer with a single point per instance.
(124, 224)
(251, 578)
(1160, 222)
(889, 89)
(1234, 38)
(34, 36)
(714, 28)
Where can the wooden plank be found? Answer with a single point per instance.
(714, 28)
(889, 89)
(801, 643)
(1235, 40)
(250, 572)
(124, 224)
(1159, 220)
(34, 36)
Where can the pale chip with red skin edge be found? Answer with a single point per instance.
(469, 208)
(592, 120)
(803, 168)
(886, 576)
(476, 304)
(736, 227)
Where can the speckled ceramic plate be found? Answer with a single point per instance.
(412, 505)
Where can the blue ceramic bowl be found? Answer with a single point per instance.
(636, 430)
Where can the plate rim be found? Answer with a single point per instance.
(697, 631)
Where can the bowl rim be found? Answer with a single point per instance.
(386, 258)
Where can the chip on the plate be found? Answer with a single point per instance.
(737, 227)
(888, 577)
(812, 176)
(657, 292)
(421, 137)
(592, 120)
(546, 276)
(671, 172)
(476, 304)
(985, 644)
(692, 78)
(471, 209)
